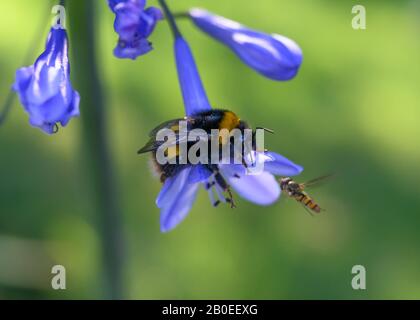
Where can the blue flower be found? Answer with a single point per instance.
(44, 88)
(179, 192)
(273, 56)
(134, 24)
(113, 3)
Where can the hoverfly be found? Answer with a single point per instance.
(297, 191)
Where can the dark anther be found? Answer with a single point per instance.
(216, 203)
(210, 184)
(56, 128)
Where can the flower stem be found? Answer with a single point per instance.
(7, 106)
(94, 136)
(171, 20)
(181, 15)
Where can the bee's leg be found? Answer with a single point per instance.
(244, 163)
(221, 182)
(230, 199)
(226, 188)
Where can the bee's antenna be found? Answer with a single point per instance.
(266, 130)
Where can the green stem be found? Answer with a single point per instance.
(181, 15)
(171, 19)
(7, 106)
(93, 118)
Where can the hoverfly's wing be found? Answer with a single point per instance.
(315, 181)
(170, 124)
(308, 210)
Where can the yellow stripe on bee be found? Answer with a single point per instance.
(175, 128)
(172, 152)
(229, 122)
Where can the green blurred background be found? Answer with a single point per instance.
(353, 110)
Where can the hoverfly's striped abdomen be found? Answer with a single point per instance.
(308, 202)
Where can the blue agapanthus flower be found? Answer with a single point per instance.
(179, 192)
(274, 56)
(134, 24)
(44, 88)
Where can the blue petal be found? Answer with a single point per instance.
(134, 25)
(113, 3)
(44, 89)
(261, 189)
(176, 199)
(154, 12)
(73, 110)
(127, 20)
(45, 84)
(199, 173)
(149, 19)
(23, 79)
(281, 166)
(171, 187)
(126, 50)
(195, 97)
(274, 56)
(49, 111)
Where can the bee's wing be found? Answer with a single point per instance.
(315, 181)
(170, 124)
(153, 144)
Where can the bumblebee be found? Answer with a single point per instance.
(207, 121)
